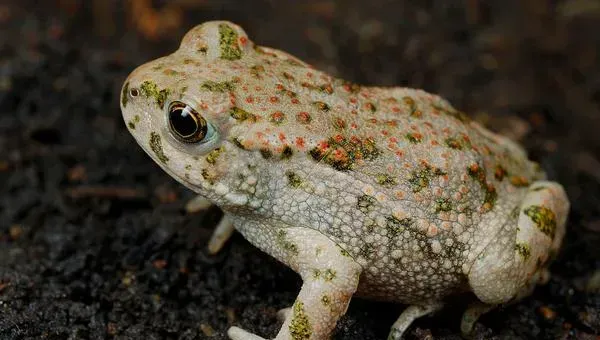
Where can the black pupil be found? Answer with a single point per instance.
(182, 121)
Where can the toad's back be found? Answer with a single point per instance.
(405, 183)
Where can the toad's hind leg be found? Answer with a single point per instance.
(223, 230)
(511, 265)
(410, 314)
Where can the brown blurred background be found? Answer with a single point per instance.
(95, 242)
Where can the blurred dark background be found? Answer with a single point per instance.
(95, 242)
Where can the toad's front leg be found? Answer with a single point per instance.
(330, 278)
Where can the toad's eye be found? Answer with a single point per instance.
(186, 123)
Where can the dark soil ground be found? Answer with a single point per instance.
(94, 239)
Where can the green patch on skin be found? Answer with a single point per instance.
(241, 114)
(287, 152)
(326, 88)
(477, 173)
(458, 143)
(544, 219)
(156, 147)
(212, 156)
(420, 179)
(523, 250)
(371, 107)
(236, 141)
(394, 226)
(207, 177)
(131, 125)
(125, 94)
(266, 153)
(188, 167)
(293, 179)
(412, 107)
(286, 92)
(325, 300)
(321, 106)
(316, 273)
(216, 86)
(341, 153)
(150, 90)
(300, 328)
(443, 204)
(414, 138)
(286, 245)
(329, 274)
(461, 116)
(365, 202)
(257, 71)
(203, 50)
(228, 43)
(385, 180)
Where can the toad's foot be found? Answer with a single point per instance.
(197, 204)
(284, 313)
(471, 315)
(222, 232)
(410, 314)
(236, 333)
(330, 279)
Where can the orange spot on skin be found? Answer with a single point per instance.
(399, 153)
(303, 117)
(274, 99)
(338, 138)
(432, 230)
(353, 100)
(204, 106)
(396, 109)
(340, 123)
(258, 88)
(277, 117)
(243, 40)
(399, 194)
(282, 137)
(373, 120)
(354, 126)
(249, 99)
(434, 143)
(300, 142)
(384, 132)
(295, 101)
